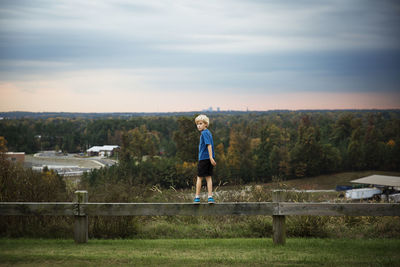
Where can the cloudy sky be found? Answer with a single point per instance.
(161, 55)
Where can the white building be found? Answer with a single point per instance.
(107, 150)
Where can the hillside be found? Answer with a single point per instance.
(325, 182)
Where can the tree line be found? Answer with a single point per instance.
(250, 147)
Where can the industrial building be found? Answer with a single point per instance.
(102, 151)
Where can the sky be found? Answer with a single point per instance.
(175, 55)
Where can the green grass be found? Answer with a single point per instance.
(200, 252)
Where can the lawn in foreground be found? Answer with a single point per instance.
(200, 252)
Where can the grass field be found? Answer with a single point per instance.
(326, 181)
(200, 252)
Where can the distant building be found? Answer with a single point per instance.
(15, 156)
(102, 151)
(210, 109)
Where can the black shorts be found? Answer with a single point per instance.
(204, 168)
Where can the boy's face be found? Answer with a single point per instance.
(201, 125)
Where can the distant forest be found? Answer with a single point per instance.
(250, 146)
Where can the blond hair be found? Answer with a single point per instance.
(203, 118)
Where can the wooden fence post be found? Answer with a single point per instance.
(278, 221)
(81, 220)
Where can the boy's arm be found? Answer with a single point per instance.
(211, 155)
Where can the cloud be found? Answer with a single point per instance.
(87, 29)
(147, 49)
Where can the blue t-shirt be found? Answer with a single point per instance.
(205, 139)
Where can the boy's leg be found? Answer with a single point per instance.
(198, 185)
(209, 185)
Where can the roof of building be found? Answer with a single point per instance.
(101, 148)
(94, 149)
(109, 147)
(379, 180)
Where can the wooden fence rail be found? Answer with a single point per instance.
(278, 209)
(188, 209)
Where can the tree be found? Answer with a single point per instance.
(342, 129)
(307, 154)
(20, 184)
(392, 154)
(373, 148)
(221, 173)
(138, 143)
(271, 156)
(270, 136)
(3, 145)
(187, 140)
(239, 156)
(274, 160)
(355, 150)
(331, 159)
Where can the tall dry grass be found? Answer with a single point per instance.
(189, 226)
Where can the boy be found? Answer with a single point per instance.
(206, 158)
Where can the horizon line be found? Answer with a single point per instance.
(203, 111)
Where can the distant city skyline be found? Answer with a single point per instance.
(160, 56)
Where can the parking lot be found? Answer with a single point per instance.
(65, 164)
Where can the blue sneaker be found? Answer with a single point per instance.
(211, 200)
(196, 200)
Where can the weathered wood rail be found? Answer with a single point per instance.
(278, 209)
(188, 209)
